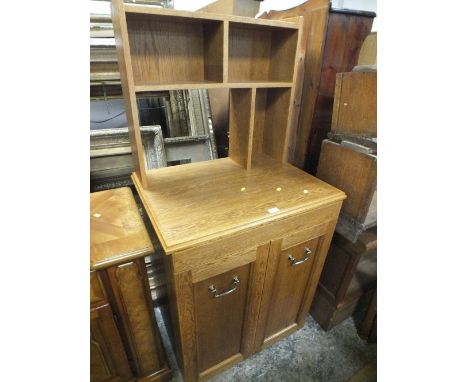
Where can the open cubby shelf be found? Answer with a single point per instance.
(162, 49)
(166, 50)
(257, 124)
(259, 53)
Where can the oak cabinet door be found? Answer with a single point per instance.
(288, 278)
(219, 313)
(108, 358)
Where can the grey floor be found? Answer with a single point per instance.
(310, 354)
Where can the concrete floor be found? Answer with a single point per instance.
(310, 354)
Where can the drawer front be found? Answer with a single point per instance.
(305, 225)
(294, 268)
(219, 312)
(96, 289)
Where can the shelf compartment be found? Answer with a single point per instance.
(260, 53)
(270, 122)
(170, 50)
(241, 108)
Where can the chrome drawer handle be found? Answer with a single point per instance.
(235, 283)
(294, 262)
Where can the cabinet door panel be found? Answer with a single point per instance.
(130, 287)
(290, 282)
(108, 358)
(219, 319)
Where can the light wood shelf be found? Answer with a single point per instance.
(152, 87)
(165, 49)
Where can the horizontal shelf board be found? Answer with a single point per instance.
(163, 12)
(143, 88)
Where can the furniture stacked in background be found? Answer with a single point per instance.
(331, 44)
(348, 161)
(125, 340)
(245, 237)
(368, 325)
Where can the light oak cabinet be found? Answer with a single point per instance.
(245, 237)
(228, 301)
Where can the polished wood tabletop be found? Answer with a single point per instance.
(118, 233)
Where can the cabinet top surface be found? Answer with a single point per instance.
(118, 233)
(197, 202)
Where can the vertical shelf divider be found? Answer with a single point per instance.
(251, 145)
(226, 52)
(292, 116)
(128, 88)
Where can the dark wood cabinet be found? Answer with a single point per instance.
(108, 358)
(331, 44)
(348, 278)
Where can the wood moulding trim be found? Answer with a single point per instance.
(279, 335)
(218, 368)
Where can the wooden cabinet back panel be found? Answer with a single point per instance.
(289, 286)
(219, 320)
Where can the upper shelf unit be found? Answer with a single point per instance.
(176, 49)
(163, 49)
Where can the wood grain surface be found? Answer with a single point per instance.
(355, 104)
(183, 211)
(107, 354)
(353, 172)
(118, 233)
(219, 320)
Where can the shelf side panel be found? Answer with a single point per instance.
(128, 88)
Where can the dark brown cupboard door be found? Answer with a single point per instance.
(219, 310)
(284, 291)
(108, 358)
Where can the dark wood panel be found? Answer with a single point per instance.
(219, 320)
(108, 358)
(345, 36)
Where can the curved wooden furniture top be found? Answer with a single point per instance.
(118, 233)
